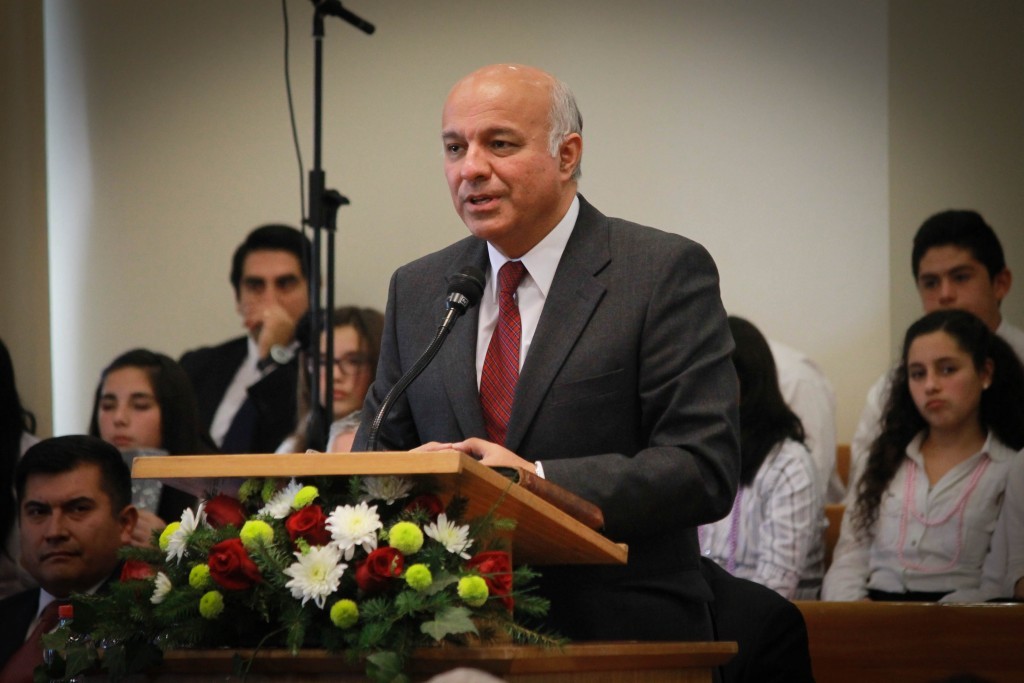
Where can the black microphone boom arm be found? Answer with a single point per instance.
(465, 289)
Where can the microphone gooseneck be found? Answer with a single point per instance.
(465, 289)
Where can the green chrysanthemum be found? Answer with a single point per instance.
(406, 538)
(473, 590)
(344, 613)
(418, 577)
(211, 604)
(199, 577)
(165, 535)
(305, 496)
(254, 532)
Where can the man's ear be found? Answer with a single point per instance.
(127, 518)
(1001, 283)
(569, 154)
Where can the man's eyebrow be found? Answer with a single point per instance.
(961, 268)
(488, 132)
(78, 501)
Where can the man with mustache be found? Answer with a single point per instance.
(74, 513)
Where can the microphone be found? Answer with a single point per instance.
(333, 8)
(465, 289)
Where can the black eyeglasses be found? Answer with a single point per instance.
(349, 364)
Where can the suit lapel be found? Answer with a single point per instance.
(459, 358)
(574, 295)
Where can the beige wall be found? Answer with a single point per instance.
(24, 308)
(762, 130)
(758, 130)
(956, 131)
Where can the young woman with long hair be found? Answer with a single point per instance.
(145, 405)
(920, 525)
(773, 535)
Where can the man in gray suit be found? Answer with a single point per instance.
(623, 391)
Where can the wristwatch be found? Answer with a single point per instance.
(279, 355)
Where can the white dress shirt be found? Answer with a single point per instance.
(809, 394)
(1004, 565)
(900, 553)
(541, 263)
(248, 374)
(778, 536)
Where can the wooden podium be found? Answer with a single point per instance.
(543, 535)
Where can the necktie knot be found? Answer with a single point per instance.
(509, 277)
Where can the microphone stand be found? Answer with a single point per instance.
(464, 291)
(323, 211)
(406, 379)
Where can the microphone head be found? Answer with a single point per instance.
(465, 289)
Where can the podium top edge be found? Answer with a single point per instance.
(300, 464)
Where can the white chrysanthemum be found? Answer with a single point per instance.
(388, 489)
(178, 542)
(354, 525)
(162, 588)
(280, 506)
(454, 538)
(316, 575)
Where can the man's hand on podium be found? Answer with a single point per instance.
(487, 452)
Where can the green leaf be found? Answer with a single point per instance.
(452, 620)
(385, 667)
(81, 657)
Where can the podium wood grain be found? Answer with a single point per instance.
(618, 662)
(543, 535)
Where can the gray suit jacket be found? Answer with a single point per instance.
(628, 397)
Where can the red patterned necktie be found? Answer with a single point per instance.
(20, 666)
(501, 364)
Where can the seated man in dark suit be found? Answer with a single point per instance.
(246, 386)
(769, 630)
(74, 513)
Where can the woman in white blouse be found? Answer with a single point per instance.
(920, 525)
(773, 535)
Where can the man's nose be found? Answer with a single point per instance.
(55, 527)
(475, 164)
(947, 291)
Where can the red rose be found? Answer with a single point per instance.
(231, 566)
(379, 569)
(222, 510)
(495, 567)
(309, 523)
(135, 570)
(428, 503)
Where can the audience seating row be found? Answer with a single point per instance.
(914, 642)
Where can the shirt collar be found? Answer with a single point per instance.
(993, 448)
(542, 261)
(46, 598)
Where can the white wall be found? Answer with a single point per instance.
(24, 295)
(759, 129)
(956, 131)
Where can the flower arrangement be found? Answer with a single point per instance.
(370, 566)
